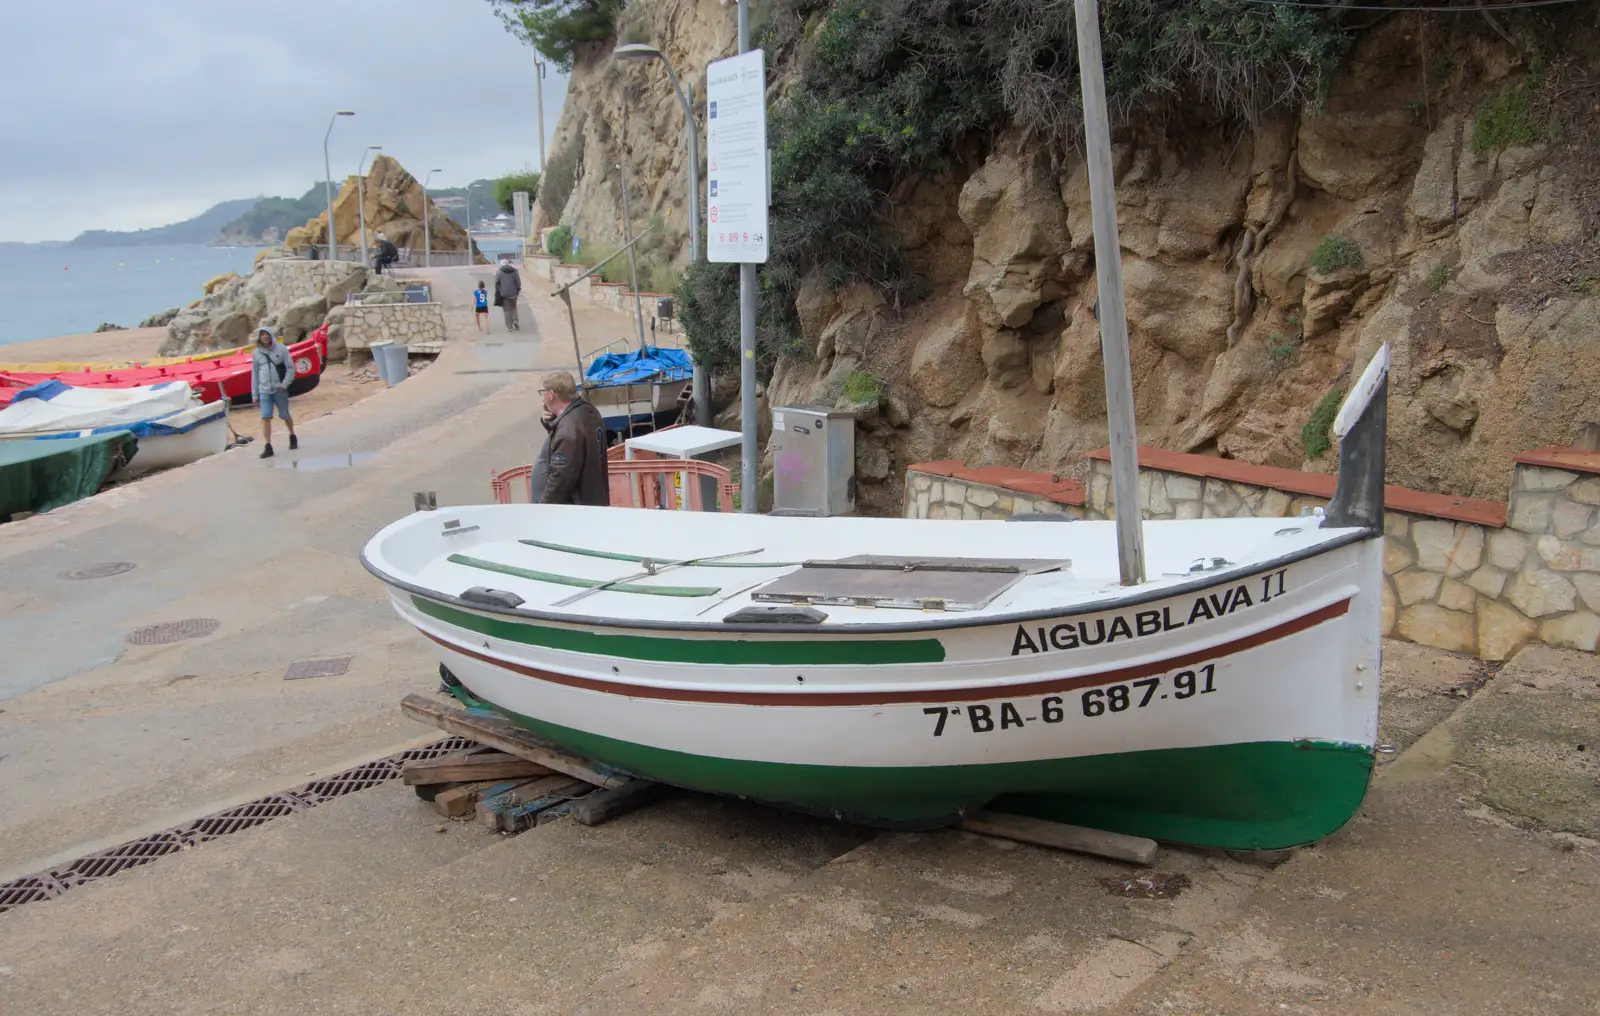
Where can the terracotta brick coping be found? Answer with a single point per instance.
(1062, 491)
(1400, 499)
(1558, 457)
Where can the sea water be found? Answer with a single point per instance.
(52, 289)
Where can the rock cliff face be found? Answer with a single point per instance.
(394, 203)
(622, 113)
(1261, 269)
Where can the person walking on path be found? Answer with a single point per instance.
(480, 308)
(507, 287)
(574, 457)
(271, 373)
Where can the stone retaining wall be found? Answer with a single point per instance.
(290, 280)
(419, 325)
(1459, 574)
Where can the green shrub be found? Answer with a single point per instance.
(888, 88)
(1505, 119)
(862, 388)
(1317, 434)
(1438, 275)
(1335, 253)
(1280, 347)
(557, 28)
(560, 175)
(559, 242)
(506, 186)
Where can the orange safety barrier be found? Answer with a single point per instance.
(657, 478)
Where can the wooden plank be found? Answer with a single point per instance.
(460, 800)
(1061, 836)
(604, 805)
(522, 816)
(501, 733)
(496, 765)
(492, 809)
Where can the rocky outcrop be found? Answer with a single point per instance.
(292, 295)
(394, 206)
(1239, 324)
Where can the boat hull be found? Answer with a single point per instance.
(1239, 715)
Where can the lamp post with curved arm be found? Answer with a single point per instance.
(427, 237)
(327, 182)
(640, 51)
(361, 196)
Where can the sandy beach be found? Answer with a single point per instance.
(125, 344)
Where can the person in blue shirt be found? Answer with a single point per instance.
(480, 303)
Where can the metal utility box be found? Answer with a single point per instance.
(813, 461)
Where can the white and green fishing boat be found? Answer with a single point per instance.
(1209, 681)
(1229, 700)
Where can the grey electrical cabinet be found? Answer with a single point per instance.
(813, 461)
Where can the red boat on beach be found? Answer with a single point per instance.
(213, 379)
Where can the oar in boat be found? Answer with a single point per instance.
(651, 568)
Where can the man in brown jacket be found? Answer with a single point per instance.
(575, 453)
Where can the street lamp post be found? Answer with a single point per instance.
(427, 237)
(640, 51)
(538, 98)
(361, 196)
(470, 186)
(633, 264)
(327, 182)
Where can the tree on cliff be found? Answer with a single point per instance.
(506, 186)
(556, 28)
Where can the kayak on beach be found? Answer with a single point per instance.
(212, 378)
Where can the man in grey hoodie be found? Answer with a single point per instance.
(507, 287)
(271, 373)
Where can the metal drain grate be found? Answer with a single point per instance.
(173, 631)
(243, 817)
(31, 889)
(119, 858)
(302, 669)
(349, 781)
(105, 569)
(47, 885)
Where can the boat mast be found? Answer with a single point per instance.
(1113, 312)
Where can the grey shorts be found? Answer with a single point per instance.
(280, 399)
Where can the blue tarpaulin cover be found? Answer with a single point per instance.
(625, 368)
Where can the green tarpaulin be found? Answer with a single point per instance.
(38, 475)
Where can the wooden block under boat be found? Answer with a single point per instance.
(486, 765)
(459, 801)
(491, 811)
(499, 732)
(1060, 836)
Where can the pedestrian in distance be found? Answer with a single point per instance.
(271, 374)
(574, 457)
(507, 287)
(480, 308)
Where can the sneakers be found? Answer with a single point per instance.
(294, 442)
(266, 452)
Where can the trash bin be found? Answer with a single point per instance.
(392, 362)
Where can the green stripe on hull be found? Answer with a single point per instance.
(1257, 796)
(731, 650)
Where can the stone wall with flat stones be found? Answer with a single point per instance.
(290, 280)
(945, 497)
(415, 324)
(1462, 586)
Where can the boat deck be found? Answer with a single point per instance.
(628, 566)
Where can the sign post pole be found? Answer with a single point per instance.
(737, 195)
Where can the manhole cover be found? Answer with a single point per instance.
(317, 668)
(173, 631)
(104, 569)
(1157, 885)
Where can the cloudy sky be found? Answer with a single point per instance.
(124, 114)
